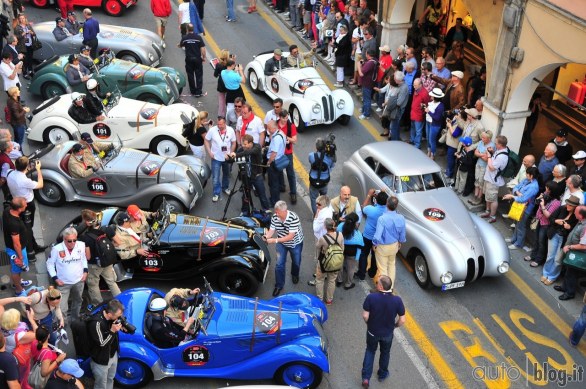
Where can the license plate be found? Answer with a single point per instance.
(155, 64)
(317, 121)
(453, 285)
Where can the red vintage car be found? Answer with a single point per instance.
(111, 7)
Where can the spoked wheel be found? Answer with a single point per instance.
(56, 135)
(175, 206)
(299, 375)
(237, 281)
(51, 194)
(128, 56)
(132, 374)
(297, 119)
(52, 89)
(421, 270)
(253, 81)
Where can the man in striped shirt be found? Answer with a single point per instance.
(289, 239)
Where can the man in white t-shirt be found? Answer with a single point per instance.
(251, 124)
(219, 142)
(273, 114)
(183, 15)
(9, 71)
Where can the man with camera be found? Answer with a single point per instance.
(22, 186)
(9, 71)
(219, 142)
(250, 170)
(99, 260)
(67, 266)
(496, 163)
(103, 328)
(319, 174)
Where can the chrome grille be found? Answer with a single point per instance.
(173, 86)
(324, 103)
(332, 114)
(157, 50)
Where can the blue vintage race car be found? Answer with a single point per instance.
(236, 338)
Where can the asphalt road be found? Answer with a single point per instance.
(487, 334)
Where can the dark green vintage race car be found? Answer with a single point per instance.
(135, 81)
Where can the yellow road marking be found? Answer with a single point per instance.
(417, 333)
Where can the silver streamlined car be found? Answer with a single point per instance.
(127, 176)
(139, 124)
(448, 245)
(305, 94)
(130, 44)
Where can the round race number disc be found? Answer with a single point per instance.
(102, 131)
(152, 262)
(434, 214)
(196, 356)
(97, 186)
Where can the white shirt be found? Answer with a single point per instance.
(357, 33)
(184, 10)
(578, 193)
(319, 229)
(6, 70)
(254, 128)
(67, 266)
(271, 115)
(21, 186)
(218, 141)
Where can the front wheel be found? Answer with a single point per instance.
(175, 206)
(297, 119)
(421, 270)
(51, 194)
(132, 374)
(128, 56)
(40, 3)
(237, 281)
(113, 7)
(344, 119)
(56, 135)
(165, 146)
(299, 375)
(51, 89)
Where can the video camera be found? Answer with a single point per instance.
(330, 148)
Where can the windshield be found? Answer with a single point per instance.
(414, 183)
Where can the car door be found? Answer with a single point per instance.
(109, 182)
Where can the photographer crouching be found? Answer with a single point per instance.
(249, 161)
(321, 161)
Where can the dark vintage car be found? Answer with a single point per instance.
(232, 253)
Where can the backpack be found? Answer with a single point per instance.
(81, 337)
(513, 165)
(333, 258)
(7, 115)
(105, 250)
(319, 166)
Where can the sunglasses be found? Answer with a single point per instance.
(276, 106)
(54, 298)
(237, 106)
(71, 240)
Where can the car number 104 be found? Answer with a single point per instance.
(196, 356)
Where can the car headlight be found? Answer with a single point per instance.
(316, 108)
(446, 278)
(341, 104)
(167, 89)
(202, 171)
(151, 57)
(503, 267)
(163, 44)
(177, 80)
(190, 188)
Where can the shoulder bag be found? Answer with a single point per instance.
(35, 378)
(517, 210)
(283, 161)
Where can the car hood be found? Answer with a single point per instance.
(131, 161)
(189, 229)
(153, 114)
(134, 72)
(302, 80)
(441, 212)
(238, 314)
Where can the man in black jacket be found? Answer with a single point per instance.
(103, 330)
(252, 153)
(275, 63)
(165, 333)
(79, 112)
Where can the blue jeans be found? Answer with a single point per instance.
(294, 14)
(314, 194)
(579, 328)
(539, 252)
(281, 265)
(395, 125)
(518, 238)
(451, 161)
(274, 188)
(230, 7)
(416, 132)
(219, 186)
(372, 343)
(366, 101)
(431, 132)
(19, 133)
(290, 176)
(553, 264)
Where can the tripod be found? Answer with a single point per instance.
(245, 188)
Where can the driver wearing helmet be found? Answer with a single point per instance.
(79, 112)
(164, 332)
(179, 299)
(95, 100)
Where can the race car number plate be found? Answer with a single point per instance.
(453, 285)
